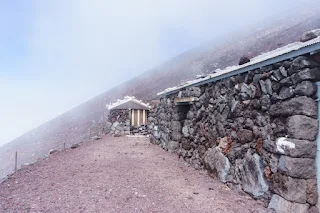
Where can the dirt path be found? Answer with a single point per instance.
(118, 175)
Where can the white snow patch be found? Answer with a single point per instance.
(125, 100)
(260, 58)
(283, 142)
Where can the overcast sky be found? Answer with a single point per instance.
(57, 54)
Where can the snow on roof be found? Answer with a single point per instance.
(127, 99)
(254, 61)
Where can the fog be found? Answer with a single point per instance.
(57, 54)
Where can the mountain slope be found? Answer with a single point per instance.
(79, 123)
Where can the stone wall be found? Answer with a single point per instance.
(255, 131)
(118, 123)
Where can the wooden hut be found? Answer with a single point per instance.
(136, 109)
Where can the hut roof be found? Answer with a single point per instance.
(283, 53)
(129, 102)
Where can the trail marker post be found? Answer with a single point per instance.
(16, 161)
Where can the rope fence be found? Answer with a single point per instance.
(6, 166)
(58, 147)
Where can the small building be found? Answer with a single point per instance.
(126, 114)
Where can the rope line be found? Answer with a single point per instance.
(8, 163)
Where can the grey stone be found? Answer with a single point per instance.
(150, 119)
(250, 90)
(195, 91)
(265, 102)
(286, 64)
(249, 124)
(296, 148)
(268, 86)
(277, 75)
(221, 130)
(298, 64)
(312, 191)
(107, 127)
(304, 168)
(52, 151)
(276, 86)
(156, 132)
(176, 136)
(295, 106)
(307, 36)
(283, 71)
(306, 88)
(164, 136)
(292, 189)
(313, 209)
(176, 126)
(74, 146)
(256, 78)
(173, 146)
(96, 137)
(274, 163)
(163, 116)
(190, 115)
(217, 163)
(119, 128)
(280, 205)
(185, 144)
(249, 77)
(185, 131)
(286, 92)
(115, 124)
(250, 172)
(286, 81)
(307, 74)
(263, 87)
(245, 135)
(302, 127)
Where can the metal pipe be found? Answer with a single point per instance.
(318, 143)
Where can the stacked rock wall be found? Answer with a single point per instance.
(255, 131)
(118, 123)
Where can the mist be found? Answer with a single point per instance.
(55, 55)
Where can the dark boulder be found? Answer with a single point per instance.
(307, 36)
(302, 127)
(244, 60)
(74, 146)
(296, 106)
(292, 189)
(304, 168)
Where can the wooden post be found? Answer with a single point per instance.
(16, 161)
(144, 116)
(138, 117)
(132, 113)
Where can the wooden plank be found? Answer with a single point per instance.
(184, 101)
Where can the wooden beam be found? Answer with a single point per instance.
(184, 101)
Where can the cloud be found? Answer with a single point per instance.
(76, 49)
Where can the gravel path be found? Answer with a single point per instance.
(118, 175)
